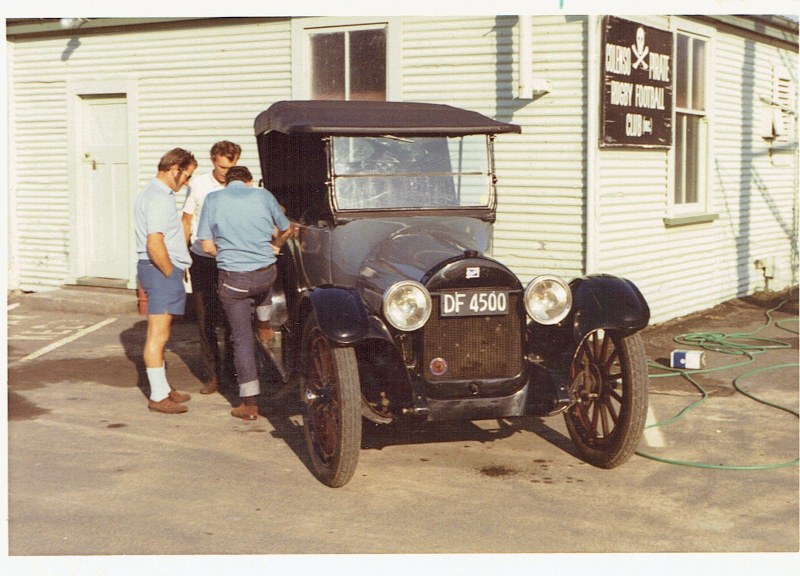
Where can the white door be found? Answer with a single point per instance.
(104, 179)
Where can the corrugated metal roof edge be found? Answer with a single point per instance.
(779, 27)
(31, 28)
(783, 29)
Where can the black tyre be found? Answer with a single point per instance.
(331, 400)
(609, 390)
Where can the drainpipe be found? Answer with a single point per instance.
(528, 85)
(525, 57)
(592, 139)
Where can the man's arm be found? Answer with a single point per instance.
(280, 220)
(186, 220)
(157, 251)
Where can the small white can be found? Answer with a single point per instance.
(690, 359)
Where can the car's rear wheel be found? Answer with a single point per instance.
(331, 400)
(609, 392)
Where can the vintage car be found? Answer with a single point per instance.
(392, 309)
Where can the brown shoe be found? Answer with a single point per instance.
(166, 406)
(176, 396)
(245, 412)
(211, 386)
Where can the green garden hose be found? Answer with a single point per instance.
(738, 344)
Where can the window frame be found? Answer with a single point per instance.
(701, 210)
(302, 28)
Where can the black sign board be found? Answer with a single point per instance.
(637, 72)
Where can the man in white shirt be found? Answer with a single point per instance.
(203, 272)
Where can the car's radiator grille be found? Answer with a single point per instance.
(473, 347)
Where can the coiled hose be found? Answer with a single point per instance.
(737, 344)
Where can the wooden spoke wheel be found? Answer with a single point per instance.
(331, 400)
(609, 397)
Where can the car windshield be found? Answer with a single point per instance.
(389, 172)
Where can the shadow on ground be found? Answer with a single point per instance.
(182, 342)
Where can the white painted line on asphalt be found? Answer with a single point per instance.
(67, 340)
(653, 436)
(12, 306)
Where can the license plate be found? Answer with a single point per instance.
(474, 302)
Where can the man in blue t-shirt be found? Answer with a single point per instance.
(163, 259)
(203, 272)
(237, 225)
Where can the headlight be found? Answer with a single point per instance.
(548, 299)
(407, 305)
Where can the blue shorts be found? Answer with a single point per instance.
(164, 295)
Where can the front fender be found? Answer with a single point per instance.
(598, 302)
(341, 315)
(607, 302)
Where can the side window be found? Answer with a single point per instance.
(691, 136)
(342, 59)
(783, 130)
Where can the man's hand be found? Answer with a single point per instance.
(209, 247)
(278, 242)
(157, 251)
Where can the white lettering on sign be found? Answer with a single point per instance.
(621, 93)
(474, 303)
(637, 85)
(633, 125)
(649, 97)
(638, 125)
(488, 302)
(659, 67)
(618, 59)
(452, 303)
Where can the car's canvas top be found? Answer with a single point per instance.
(375, 118)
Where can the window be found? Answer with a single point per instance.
(348, 65)
(387, 172)
(783, 126)
(691, 154)
(346, 58)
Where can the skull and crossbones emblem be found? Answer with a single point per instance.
(640, 50)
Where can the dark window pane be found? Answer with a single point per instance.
(694, 142)
(327, 66)
(680, 162)
(683, 70)
(368, 65)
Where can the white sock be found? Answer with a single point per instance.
(159, 387)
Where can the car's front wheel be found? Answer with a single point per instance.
(331, 400)
(609, 397)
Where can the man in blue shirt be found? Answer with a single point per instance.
(224, 155)
(163, 259)
(237, 225)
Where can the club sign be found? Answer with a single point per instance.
(637, 73)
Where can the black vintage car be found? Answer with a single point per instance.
(391, 308)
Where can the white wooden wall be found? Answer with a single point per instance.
(196, 86)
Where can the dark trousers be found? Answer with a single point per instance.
(239, 292)
(204, 274)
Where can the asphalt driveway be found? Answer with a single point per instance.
(92, 473)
